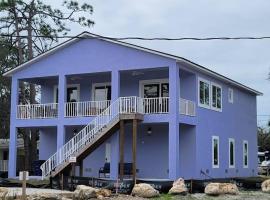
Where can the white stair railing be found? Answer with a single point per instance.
(123, 105)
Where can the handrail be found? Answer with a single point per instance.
(187, 107)
(85, 108)
(125, 105)
(37, 111)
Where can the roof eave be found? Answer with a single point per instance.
(219, 76)
(177, 58)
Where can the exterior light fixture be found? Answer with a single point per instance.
(149, 131)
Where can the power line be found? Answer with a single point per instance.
(144, 38)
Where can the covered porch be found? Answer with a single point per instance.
(152, 154)
(88, 95)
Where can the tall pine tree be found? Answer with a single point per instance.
(33, 27)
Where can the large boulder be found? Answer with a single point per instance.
(266, 186)
(221, 188)
(3, 192)
(103, 192)
(83, 192)
(178, 187)
(144, 190)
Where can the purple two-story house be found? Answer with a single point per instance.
(107, 101)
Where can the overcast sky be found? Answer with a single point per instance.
(245, 61)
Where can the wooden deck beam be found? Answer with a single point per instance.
(122, 146)
(134, 148)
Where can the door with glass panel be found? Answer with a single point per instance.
(153, 93)
(72, 98)
(102, 96)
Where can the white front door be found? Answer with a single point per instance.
(101, 92)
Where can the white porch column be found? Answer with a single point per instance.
(12, 163)
(174, 93)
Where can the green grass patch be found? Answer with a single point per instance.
(164, 197)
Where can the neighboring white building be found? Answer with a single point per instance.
(4, 145)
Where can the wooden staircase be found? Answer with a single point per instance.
(105, 133)
(94, 134)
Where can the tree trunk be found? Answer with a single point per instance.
(34, 132)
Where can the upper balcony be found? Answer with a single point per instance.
(158, 105)
(88, 95)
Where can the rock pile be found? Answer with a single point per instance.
(83, 192)
(3, 192)
(266, 186)
(144, 190)
(178, 187)
(221, 188)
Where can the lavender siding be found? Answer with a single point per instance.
(47, 145)
(179, 145)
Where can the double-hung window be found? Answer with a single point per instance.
(204, 93)
(210, 95)
(231, 153)
(215, 152)
(245, 154)
(216, 97)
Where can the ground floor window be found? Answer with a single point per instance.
(231, 153)
(215, 151)
(245, 154)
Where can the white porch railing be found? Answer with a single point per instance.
(158, 105)
(37, 111)
(187, 107)
(85, 108)
(126, 105)
(3, 165)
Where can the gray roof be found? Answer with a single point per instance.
(177, 58)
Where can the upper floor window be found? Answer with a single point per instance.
(245, 154)
(216, 97)
(231, 153)
(204, 93)
(209, 94)
(230, 95)
(215, 151)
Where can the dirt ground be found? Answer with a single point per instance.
(250, 195)
(243, 195)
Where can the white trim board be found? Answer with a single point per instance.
(177, 58)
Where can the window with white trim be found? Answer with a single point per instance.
(215, 151)
(245, 154)
(216, 97)
(231, 153)
(230, 95)
(204, 93)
